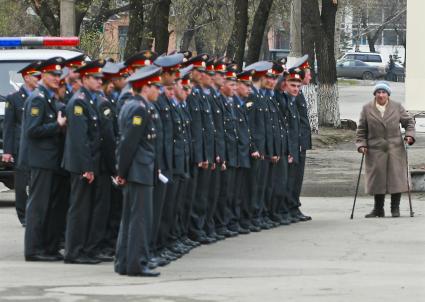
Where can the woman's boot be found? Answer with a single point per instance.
(395, 204)
(378, 209)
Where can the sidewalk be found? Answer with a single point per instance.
(329, 259)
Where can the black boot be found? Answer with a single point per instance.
(378, 209)
(395, 204)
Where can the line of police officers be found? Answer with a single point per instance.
(141, 161)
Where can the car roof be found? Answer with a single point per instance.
(36, 54)
(361, 53)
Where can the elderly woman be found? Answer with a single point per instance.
(379, 138)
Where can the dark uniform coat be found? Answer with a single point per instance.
(42, 132)
(83, 139)
(136, 151)
(305, 128)
(14, 109)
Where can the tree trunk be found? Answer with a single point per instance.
(371, 43)
(327, 90)
(257, 31)
(47, 15)
(328, 113)
(265, 51)
(338, 22)
(308, 30)
(200, 45)
(161, 13)
(295, 39)
(135, 28)
(236, 45)
(189, 33)
(310, 94)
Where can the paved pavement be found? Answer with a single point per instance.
(329, 259)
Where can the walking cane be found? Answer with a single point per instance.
(357, 187)
(408, 183)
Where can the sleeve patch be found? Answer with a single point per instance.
(78, 110)
(137, 120)
(35, 111)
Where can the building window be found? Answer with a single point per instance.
(390, 37)
(122, 36)
(281, 39)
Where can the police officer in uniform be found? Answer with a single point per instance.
(304, 134)
(41, 136)
(115, 75)
(14, 107)
(217, 70)
(135, 62)
(262, 142)
(72, 78)
(227, 212)
(293, 86)
(182, 151)
(276, 184)
(136, 171)
(82, 158)
(194, 102)
(244, 151)
(200, 207)
(165, 202)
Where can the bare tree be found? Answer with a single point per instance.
(323, 28)
(161, 12)
(236, 45)
(257, 31)
(49, 13)
(135, 32)
(308, 30)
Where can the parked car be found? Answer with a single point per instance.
(358, 69)
(371, 58)
(11, 61)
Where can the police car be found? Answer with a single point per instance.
(12, 60)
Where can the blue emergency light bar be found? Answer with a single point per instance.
(38, 41)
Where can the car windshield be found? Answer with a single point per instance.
(10, 79)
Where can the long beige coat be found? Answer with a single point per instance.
(385, 161)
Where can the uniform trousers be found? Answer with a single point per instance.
(133, 252)
(223, 214)
(200, 204)
(41, 212)
(21, 196)
(87, 216)
(295, 181)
